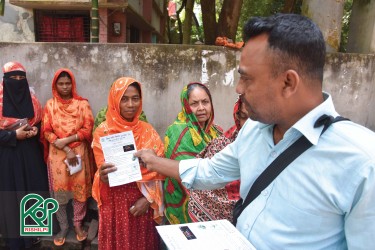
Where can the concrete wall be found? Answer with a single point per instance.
(165, 69)
(17, 24)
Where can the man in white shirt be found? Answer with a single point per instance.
(325, 198)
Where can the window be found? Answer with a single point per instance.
(62, 26)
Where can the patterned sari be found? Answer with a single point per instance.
(207, 205)
(118, 228)
(61, 119)
(184, 139)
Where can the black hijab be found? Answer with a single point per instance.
(17, 102)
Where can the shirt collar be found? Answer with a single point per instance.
(306, 124)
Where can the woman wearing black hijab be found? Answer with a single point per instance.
(22, 167)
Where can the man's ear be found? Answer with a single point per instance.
(291, 83)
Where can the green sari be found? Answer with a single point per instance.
(184, 139)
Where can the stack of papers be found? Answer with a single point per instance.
(218, 235)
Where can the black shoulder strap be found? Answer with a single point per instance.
(283, 160)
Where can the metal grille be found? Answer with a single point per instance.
(62, 26)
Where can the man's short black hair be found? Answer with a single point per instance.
(296, 41)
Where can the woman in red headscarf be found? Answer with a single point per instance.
(128, 213)
(67, 128)
(22, 169)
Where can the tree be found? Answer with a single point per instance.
(228, 19)
(209, 21)
(2, 7)
(186, 29)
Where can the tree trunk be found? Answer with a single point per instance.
(186, 30)
(289, 6)
(229, 17)
(209, 21)
(2, 7)
(329, 19)
(94, 22)
(179, 20)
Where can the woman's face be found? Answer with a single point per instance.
(129, 104)
(200, 105)
(64, 87)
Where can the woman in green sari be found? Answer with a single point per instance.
(184, 139)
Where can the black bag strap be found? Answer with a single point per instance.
(283, 160)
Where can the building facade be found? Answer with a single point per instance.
(120, 21)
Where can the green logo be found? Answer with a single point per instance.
(39, 213)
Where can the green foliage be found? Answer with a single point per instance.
(251, 8)
(2, 7)
(345, 25)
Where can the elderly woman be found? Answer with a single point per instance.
(206, 205)
(22, 169)
(67, 128)
(184, 139)
(128, 213)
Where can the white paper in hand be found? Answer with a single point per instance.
(119, 149)
(76, 168)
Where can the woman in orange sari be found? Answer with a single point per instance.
(128, 213)
(67, 127)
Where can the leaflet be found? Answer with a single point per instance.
(74, 168)
(218, 234)
(119, 149)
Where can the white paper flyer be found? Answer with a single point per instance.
(218, 235)
(119, 149)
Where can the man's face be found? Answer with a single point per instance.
(258, 87)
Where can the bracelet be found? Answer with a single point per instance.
(77, 137)
(68, 151)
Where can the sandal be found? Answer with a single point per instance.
(59, 239)
(81, 236)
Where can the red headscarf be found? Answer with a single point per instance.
(28, 99)
(144, 135)
(63, 118)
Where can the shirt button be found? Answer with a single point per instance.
(265, 192)
(273, 154)
(246, 226)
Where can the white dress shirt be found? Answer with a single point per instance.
(325, 199)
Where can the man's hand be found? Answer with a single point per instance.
(145, 157)
(140, 207)
(104, 170)
(152, 162)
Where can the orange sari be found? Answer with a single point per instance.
(63, 118)
(145, 137)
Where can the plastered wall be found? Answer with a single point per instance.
(165, 69)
